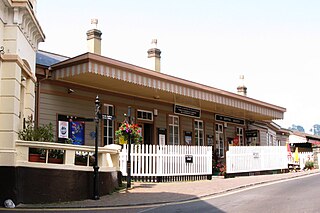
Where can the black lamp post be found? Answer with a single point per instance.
(95, 166)
(129, 152)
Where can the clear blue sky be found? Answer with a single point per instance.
(275, 44)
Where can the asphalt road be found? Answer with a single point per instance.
(296, 195)
(292, 195)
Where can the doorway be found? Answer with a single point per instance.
(147, 134)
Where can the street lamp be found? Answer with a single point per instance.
(129, 152)
(95, 166)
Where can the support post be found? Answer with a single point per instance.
(129, 152)
(96, 195)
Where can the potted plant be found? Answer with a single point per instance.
(37, 155)
(81, 158)
(55, 156)
(32, 133)
(125, 130)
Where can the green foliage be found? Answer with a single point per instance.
(31, 133)
(309, 165)
(125, 130)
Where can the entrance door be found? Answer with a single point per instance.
(147, 133)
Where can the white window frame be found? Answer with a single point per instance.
(240, 135)
(197, 131)
(172, 135)
(107, 126)
(144, 111)
(219, 143)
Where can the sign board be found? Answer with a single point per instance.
(187, 111)
(63, 129)
(188, 138)
(229, 119)
(252, 133)
(189, 159)
(107, 117)
(256, 155)
(209, 140)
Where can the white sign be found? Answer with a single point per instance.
(162, 139)
(63, 129)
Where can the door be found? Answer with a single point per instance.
(147, 133)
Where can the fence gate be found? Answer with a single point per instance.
(256, 158)
(167, 163)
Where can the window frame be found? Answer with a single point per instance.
(105, 125)
(197, 131)
(173, 125)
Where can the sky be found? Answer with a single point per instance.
(275, 44)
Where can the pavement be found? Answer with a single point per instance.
(143, 193)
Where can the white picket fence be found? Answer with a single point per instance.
(256, 158)
(168, 160)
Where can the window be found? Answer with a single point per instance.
(145, 115)
(108, 125)
(173, 130)
(198, 129)
(219, 140)
(240, 136)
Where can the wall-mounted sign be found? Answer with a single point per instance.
(187, 111)
(63, 129)
(162, 132)
(188, 138)
(209, 140)
(252, 133)
(256, 155)
(189, 159)
(229, 119)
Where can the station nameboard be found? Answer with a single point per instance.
(229, 119)
(188, 111)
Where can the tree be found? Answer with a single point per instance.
(316, 129)
(296, 128)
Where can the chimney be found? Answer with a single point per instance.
(242, 89)
(154, 56)
(94, 38)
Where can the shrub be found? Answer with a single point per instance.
(32, 133)
(309, 165)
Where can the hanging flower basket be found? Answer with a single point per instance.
(125, 130)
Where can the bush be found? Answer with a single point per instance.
(309, 165)
(32, 133)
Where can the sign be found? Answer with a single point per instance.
(77, 132)
(209, 140)
(107, 117)
(256, 155)
(187, 111)
(63, 129)
(189, 159)
(188, 138)
(229, 119)
(252, 133)
(162, 132)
